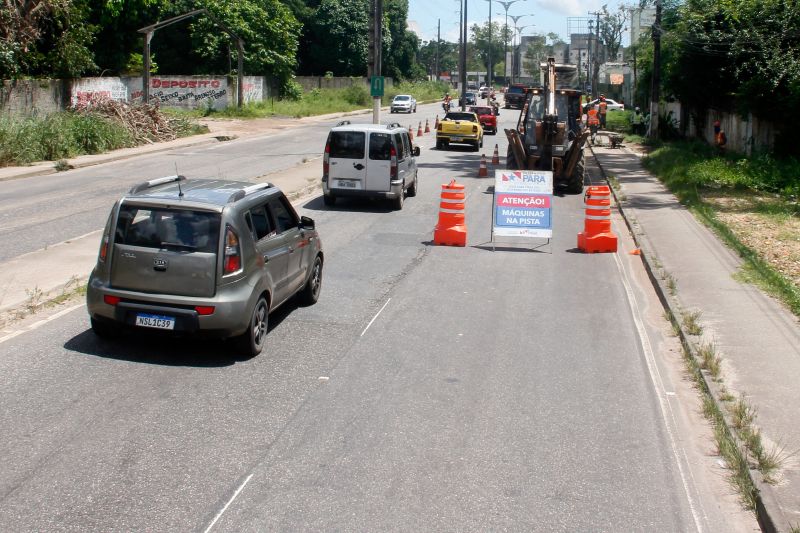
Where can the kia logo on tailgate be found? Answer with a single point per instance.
(160, 263)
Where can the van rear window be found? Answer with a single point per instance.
(380, 146)
(178, 229)
(347, 144)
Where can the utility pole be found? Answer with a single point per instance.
(462, 71)
(596, 57)
(438, 42)
(656, 81)
(375, 51)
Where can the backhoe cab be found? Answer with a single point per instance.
(549, 135)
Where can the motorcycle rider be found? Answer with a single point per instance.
(446, 102)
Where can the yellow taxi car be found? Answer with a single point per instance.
(460, 127)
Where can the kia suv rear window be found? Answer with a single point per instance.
(347, 144)
(179, 229)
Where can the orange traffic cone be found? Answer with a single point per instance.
(597, 235)
(427, 127)
(496, 156)
(483, 171)
(451, 230)
(419, 130)
(410, 134)
(436, 124)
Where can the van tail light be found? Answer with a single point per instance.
(111, 300)
(326, 160)
(204, 310)
(393, 164)
(232, 260)
(103, 249)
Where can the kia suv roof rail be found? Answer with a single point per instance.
(155, 182)
(241, 193)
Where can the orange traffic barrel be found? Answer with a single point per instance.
(597, 235)
(451, 230)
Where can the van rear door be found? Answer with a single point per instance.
(348, 162)
(380, 161)
(165, 249)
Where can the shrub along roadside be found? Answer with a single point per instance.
(68, 134)
(698, 176)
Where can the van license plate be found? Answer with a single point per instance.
(155, 321)
(347, 184)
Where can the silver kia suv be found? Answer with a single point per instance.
(202, 256)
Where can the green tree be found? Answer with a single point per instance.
(485, 49)
(340, 29)
(45, 38)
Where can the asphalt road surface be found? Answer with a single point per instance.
(430, 389)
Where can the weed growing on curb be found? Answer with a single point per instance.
(743, 414)
(672, 283)
(691, 322)
(709, 360)
(62, 165)
(35, 296)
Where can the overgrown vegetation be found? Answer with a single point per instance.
(59, 136)
(706, 182)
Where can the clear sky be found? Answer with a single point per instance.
(545, 16)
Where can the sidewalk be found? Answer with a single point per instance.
(758, 340)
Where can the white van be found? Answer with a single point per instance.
(369, 160)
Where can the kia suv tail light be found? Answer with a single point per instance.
(232, 260)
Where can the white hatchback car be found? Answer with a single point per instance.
(613, 105)
(403, 103)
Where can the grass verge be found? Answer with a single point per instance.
(699, 177)
(324, 101)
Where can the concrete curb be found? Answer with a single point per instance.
(768, 512)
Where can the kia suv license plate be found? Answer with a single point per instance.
(155, 321)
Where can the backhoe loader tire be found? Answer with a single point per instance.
(575, 185)
(510, 160)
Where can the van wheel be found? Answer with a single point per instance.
(397, 203)
(412, 191)
(310, 292)
(251, 342)
(328, 199)
(104, 330)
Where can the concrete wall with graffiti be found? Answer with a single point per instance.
(186, 92)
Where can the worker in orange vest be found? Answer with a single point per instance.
(603, 110)
(720, 139)
(593, 121)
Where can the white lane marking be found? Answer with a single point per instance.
(40, 323)
(375, 317)
(235, 494)
(658, 384)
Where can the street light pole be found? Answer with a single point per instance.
(515, 18)
(506, 5)
(490, 72)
